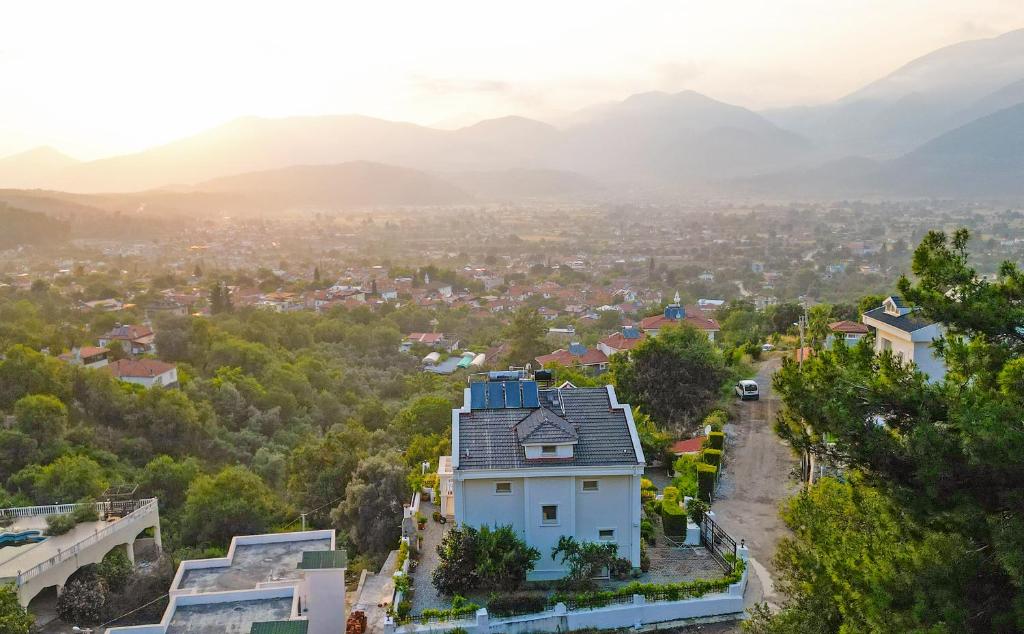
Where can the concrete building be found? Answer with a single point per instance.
(552, 462)
(34, 561)
(675, 314)
(908, 335)
(87, 356)
(283, 582)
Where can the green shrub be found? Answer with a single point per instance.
(716, 440)
(403, 583)
(647, 530)
(717, 419)
(619, 568)
(686, 476)
(670, 493)
(60, 524)
(85, 513)
(403, 554)
(460, 608)
(696, 508)
(706, 476)
(650, 591)
(516, 603)
(645, 558)
(673, 518)
(404, 609)
(713, 457)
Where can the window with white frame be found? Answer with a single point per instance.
(549, 514)
(590, 486)
(502, 488)
(606, 534)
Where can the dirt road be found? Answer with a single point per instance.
(758, 476)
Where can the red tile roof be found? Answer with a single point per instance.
(562, 357)
(618, 341)
(690, 445)
(425, 337)
(694, 317)
(848, 327)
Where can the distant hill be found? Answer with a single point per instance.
(982, 159)
(924, 98)
(35, 168)
(22, 227)
(676, 138)
(357, 183)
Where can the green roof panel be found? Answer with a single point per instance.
(323, 559)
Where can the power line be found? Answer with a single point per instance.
(163, 596)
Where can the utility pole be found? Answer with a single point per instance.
(802, 323)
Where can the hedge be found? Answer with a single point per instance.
(716, 440)
(673, 518)
(515, 604)
(717, 419)
(713, 457)
(650, 591)
(706, 475)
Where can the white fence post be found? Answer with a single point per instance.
(482, 621)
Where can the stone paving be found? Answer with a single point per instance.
(424, 595)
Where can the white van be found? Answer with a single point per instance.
(747, 390)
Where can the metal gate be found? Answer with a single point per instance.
(721, 546)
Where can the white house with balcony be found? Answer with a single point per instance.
(901, 329)
(551, 462)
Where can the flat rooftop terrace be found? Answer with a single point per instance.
(251, 565)
(231, 617)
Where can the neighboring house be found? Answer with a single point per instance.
(593, 360)
(109, 305)
(87, 356)
(549, 462)
(676, 314)
(145, 372)
(133, 339)
(848, 331)
(906, 334)
(279, 583)
(436, 340)
(626, 339)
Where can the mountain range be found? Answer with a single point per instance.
(950, 123)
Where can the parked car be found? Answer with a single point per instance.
(767, 347)
(747, 390)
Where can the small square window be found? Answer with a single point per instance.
(548, 450)
(606, 534)
(502, 488)
(549, 514)
(591, 485)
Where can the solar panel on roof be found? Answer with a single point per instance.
(512, 396)
(531, 395)
(495, 397)
(477, 398)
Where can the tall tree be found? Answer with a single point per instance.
(675, 377)
(947, 458)
(233, 502)
(14, 619)
(372, 509)
(526, 335)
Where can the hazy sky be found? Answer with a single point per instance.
(104, 77)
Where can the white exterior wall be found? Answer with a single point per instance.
(581, 514)
(914, 347)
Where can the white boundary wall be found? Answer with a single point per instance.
(635, 614)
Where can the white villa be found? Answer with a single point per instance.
(550, 462)
(907, 335)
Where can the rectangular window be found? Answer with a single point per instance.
(549, 514)
(503, 488)
(886, 344)
(548, 450)
(606, 534)
(591, 485)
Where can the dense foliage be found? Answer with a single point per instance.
(927, 534)
(486, 558)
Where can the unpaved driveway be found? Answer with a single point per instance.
(757, 477)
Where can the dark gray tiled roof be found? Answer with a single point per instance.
(907, 323)
(488, 440)
(544, 426)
